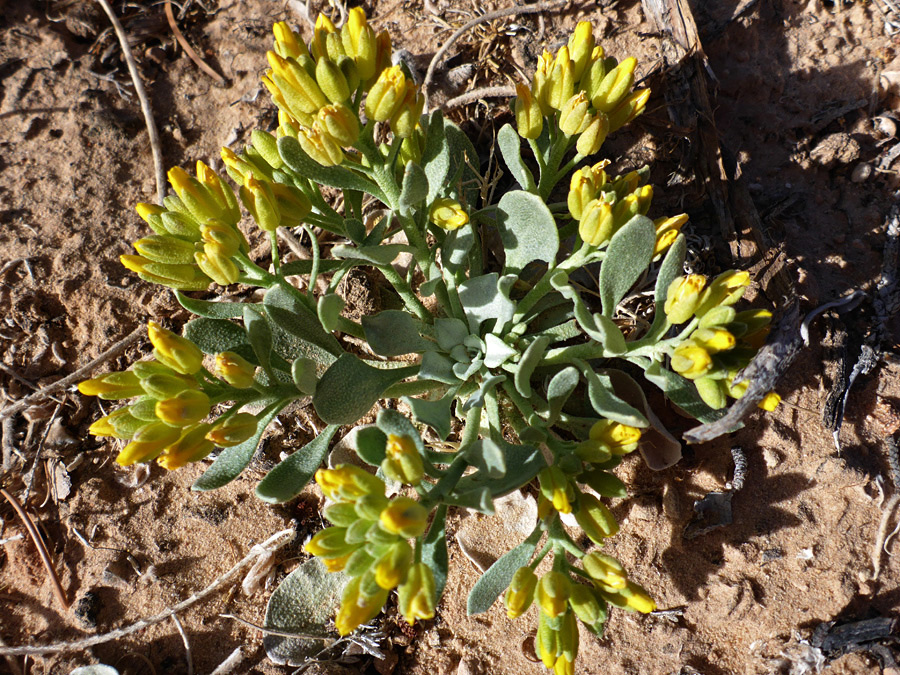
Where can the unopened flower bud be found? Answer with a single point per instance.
(148, 443)
(121, 423)
(595, 518)
(199, 200)
(229, 239)
(260, 202)
(320, 145)
(221, 193)
(192, 446)
(555, 487)
(360, 42)
(416, 597)
(233, 430)
(632, 597)
(299, 88)
(386, 95)
(667, 230)
(714, 340)
(179, 277)
(581, 45)
(561, 82)
(405, 517)
(406, 119)
(552, 593)
(180, 354)
(321, 30)
(725, 289)
(770, 402)
(713, 392)
(151, 213)
(341, 124)
(589, 606)
(235, 370)
(614, 87)
(347, 482)
(597, 224)
(605, 569)
(683, 297)
(392, 567)
(329, 543)
(574, 116)
(540, 83)
(112, 386)
(520, 594)
(592, 138)
(287, 43)
(633, 105)
(186, 408)
(619, 438)
(402, 462)
(691, 361)
(357, 607)
(217, 266)
(165, 249)
(332, 81)
(529, 119)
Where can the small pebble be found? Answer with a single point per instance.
(861, 172)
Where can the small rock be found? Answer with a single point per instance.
(771, 458)
(861, 172)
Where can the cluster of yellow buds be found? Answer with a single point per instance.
(369, 542)
(602, 205)
(196, 235)
(560, 601)
(591, 92)
(165, 423)
(317, 88)
(724, 340)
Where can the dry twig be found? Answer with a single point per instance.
(201, 64)
(142, 96)
(187, 645)
(476, 94)
(273, 543)
(490, 16)
(60, 385)
(39, 544)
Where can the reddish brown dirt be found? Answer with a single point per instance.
(800, 85)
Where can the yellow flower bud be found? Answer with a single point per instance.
(593, 452)
(120, 423)
(152, 213)
(191, 447)
(770, 402)
(195, 196)
(235, 370)
(186, 408)
(266, 145)
(561, 83)
(555, 487)
(683, 297)
(299, 89)
(448, 214)
(520, 593)
(293, 205)
(387, 94)
(334, 47)
(628, 109)
(346, 482)
(619, 438)
(714, 340)
(581, 45)
(288, 44)
(564, 666)
(112, 386)
(329, 543)
(217, 266)
(613, 89)
(529, 119)
(238, 167)
(360, 43)
(405, 517)
(320, 145)
(166, 249)
(632, 597)
(547, 641)
(751, 321)
(605, 569)
(568, 645)
(382, 54)
(357, 607)
(540, 83)
(595, 519)
(725, 289)
(402, 462)
(416, 598)
(552, 593)
(233, 430)
(392, 567)
(667, 230)
(406, 119)
(691, 361)
(160, 386)
(574, 116)
(148, 443)
(597, 223)
(322, 29)
(332, 81)
(179, 277)
(230, 240)
(341, 124)
(592, 138)
(260, 202)
(221, 193)
(174, 351)
(584, 186)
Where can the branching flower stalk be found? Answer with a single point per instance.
(544, 384)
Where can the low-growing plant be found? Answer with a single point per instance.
(490, 338)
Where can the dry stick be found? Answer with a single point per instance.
(39, 543)
(187, 645)
(490, 16)
(201, 64)
(60, 385)
(273, 543)
(142, 96)
(11, 662)
(476, 94)
(878, 547)
(273, 631)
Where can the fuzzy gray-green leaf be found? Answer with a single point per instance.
(496, 580)
(527, 229)
(393, 333)
(627, 257)
(288, 478)
(349, 389)
(511, 148)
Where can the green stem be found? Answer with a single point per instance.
(413, 304)
(492, 407)
(314, 271)
(414, 388)
(584, 352)
(350, 327)
(276, 262)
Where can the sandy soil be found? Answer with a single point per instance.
(803, 91)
